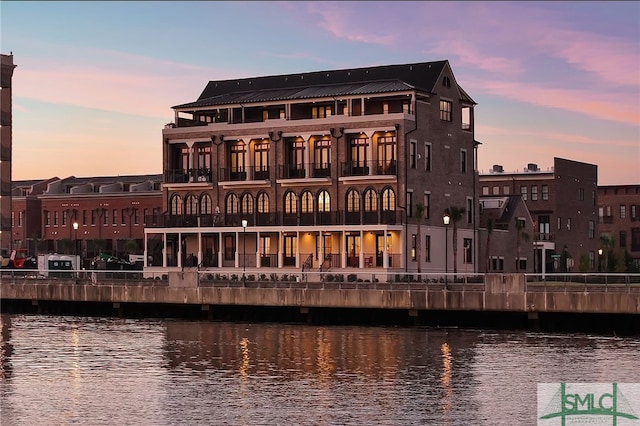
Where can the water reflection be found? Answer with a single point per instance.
(67, 370)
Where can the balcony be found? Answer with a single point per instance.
(543, 236)
(313, 219)
(301, 171)
(239, 174)
(364, 168)
(188, 175)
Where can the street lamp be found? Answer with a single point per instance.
(75, 243)
(599, 260)
(445, 220)
(244, 244)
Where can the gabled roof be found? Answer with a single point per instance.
(379, 79)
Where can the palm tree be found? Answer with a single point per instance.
(419, 217)
(456, 214)
(488, 245)
(520, 234)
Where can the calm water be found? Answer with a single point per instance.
(91, 371)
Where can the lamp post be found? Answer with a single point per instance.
(75, 243)
(244, 244)
(599, 260)
(445, 219)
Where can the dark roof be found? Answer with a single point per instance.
(388, 78)
(301, 93)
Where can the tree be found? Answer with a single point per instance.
(607, 242)
(419, 216)
(520, 234)
(455, 214)
(490, 224)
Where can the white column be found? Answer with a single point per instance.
(179, 250)
(385, 256)
(258, 249)
(237, 254)
(220, 256)
(361, 252)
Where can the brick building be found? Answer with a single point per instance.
(6, 129)
(563, 204)
(320, 171)
(110, 211)
(619, 227)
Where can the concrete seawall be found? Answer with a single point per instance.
(499, 293)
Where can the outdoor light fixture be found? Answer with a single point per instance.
(445, 219)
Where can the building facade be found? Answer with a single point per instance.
(320, 171)
(110, 213)
(563, 204)
(6, 129)
(619, 228)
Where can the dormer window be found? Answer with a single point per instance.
(446, 81)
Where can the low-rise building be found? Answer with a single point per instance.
(563, 204)
(619, 227)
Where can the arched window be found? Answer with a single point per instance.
(353, 201)
(388, 200)
(324, 201)
(307, 202)
(205, 204)
(232, 203)
(263, 202)
(370, 200)
(246, 206)
(176, 205)
(290, 202)
(191, 205)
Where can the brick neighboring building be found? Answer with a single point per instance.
(619, 221)
(563, 205)
(111, 213)
(326, 168)
(6, 130)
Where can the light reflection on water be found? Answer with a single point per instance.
(73, 370)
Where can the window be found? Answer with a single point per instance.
(290, 202)
(229, 247)
(623, 239)
(324, 202)
(387, 154)
(176, 205)
(427, 156)
(427, 248)
(634, 212)
(581, 194)
(446, 81)
(359, 151)
(323, 154)
(523, 192)
(20, 217)
(136, 217)
(497, 263)
(463, 161)
(568, 224)
(263, 202)
(321, 112)
(388, 200)
(114, 217)
(469, 210)
(261, 158)
(409, 203)
(485, 190)
(413, 247)
(412, 155)
(84, 217)
(506, 190)
(445, 110)
(353, 201)
(592, 229)
(592, 259)
(93, 217)
(123, 219)
(427, 203)
(522, 264)
(55, 218)
(370, 201)
(545, 192)
(232, 204)
(105, 216)
(205, 204)
(635, 239)
(47, 218)
(145, 213)
(468, 251)
(65, 213)
(534, 192)
(238, 151)
(246, 205)
(623, 212)
(496, 190)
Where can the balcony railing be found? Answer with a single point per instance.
(298, 171)
(390, 217)
(244, 173)
(365, 168)
(543, 236)
(188, 175)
